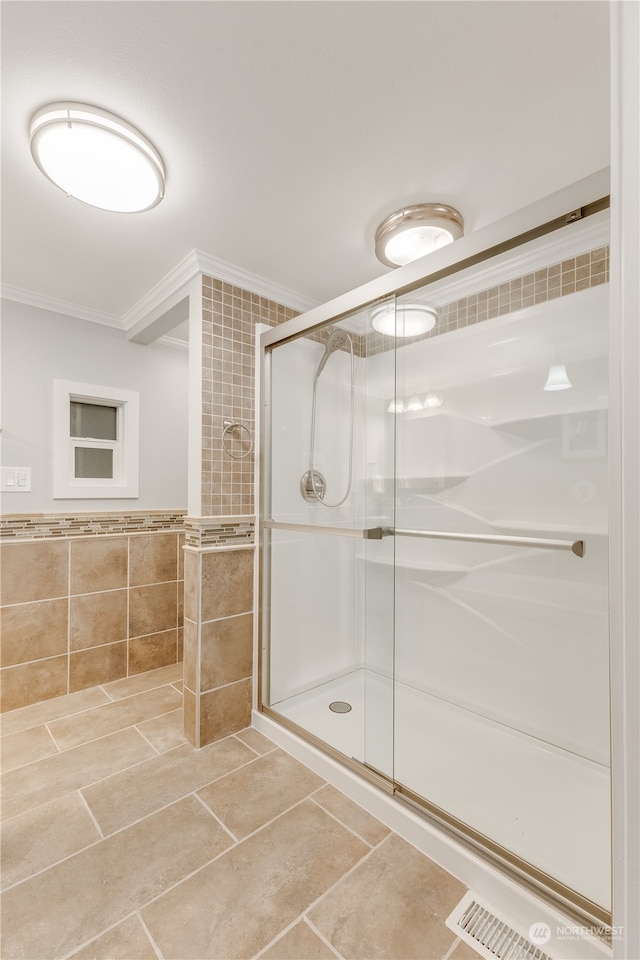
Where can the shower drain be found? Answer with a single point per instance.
(340, 706)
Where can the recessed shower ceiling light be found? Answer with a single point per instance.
(96, 157)
(404, 320)
(414, 231)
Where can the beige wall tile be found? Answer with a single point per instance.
(153, 558)
(130, 795)
(146, 681)
(55, 776)
(248, 798)
(227, 583)
(225, 710)
(190, 654)
(97, 665)
(55, 912)
(393, 905)
(152, 609)
(299, 942)
(26, 747)
(191, 585)
(189, 717)
(34, 571)
(31, 682)
(40, 838)
(226, 651)
(39, 713)
(149, 653)
(353, 816)
(98, 564)
(101, 721)
(32, 631)
(97, 618)
(180, 597)
(180, 644)
(256, 889)
(127, 941)
(180, 546)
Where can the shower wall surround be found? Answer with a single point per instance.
(87, 598)
(219, 545)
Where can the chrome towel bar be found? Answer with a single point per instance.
(577, 547)
(372, 533)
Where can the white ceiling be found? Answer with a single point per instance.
(289, 130)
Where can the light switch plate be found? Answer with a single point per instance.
(15, 480)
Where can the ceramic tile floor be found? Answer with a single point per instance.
(121, 841)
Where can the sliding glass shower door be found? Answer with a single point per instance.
(434, 593)
(329, 495)
(501, 627)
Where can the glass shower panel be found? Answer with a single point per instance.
(328, 622)
(501, 630)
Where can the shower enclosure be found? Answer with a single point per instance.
(434, 598)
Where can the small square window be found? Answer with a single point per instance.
(95, 447)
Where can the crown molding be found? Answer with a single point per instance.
(171, 283)
(229, 273)
(194, 263)
(43, 302)
(173, 342)
(197, 262)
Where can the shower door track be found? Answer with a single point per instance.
(541, 884)
(538, 882)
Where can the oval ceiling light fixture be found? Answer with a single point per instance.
(97, 157)
(404, 319)
(414, 231)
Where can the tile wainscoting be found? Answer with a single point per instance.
(87, 600)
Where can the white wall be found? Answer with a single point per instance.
(39, 346)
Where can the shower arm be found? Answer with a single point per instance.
(577, 547)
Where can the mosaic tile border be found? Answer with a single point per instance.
(219, 531)
(56, 526)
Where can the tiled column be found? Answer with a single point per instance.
(219, 552)
(218, 642)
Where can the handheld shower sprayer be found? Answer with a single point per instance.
(312, 485)
(336, 341)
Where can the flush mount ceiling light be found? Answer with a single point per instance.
(414, 231)
(404, 320)
(96, 157)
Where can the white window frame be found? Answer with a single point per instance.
(124, 484)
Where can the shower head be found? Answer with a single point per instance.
(337, 340)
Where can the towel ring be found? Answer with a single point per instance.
(230, 425)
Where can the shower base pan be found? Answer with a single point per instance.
(548, 806)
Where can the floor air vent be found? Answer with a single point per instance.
(490, 936)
